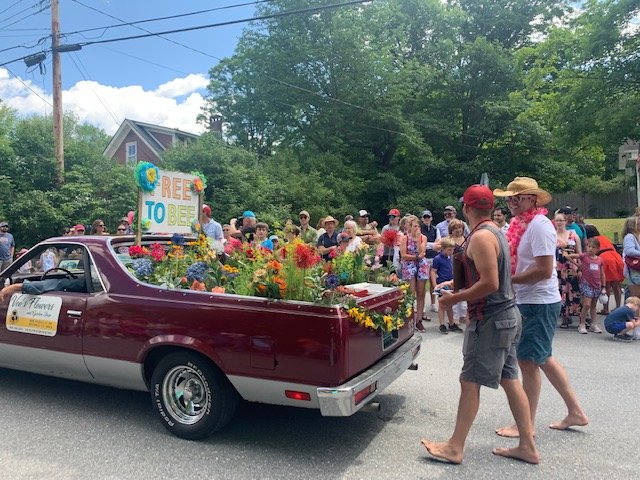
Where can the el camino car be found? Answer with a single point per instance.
(197, 353)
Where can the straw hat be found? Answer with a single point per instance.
(524, 186)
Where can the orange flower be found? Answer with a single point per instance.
(274, 265)
(217, 289)
(200, 286)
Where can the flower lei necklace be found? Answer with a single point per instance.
(517, 227)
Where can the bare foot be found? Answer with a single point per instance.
(443, 451)
(510, 432)
(519, 453)
(572, 420)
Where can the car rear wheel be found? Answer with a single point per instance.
(191, 395)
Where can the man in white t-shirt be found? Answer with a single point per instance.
(535, 283)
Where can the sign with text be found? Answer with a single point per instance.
(34, 314)
(172, 205)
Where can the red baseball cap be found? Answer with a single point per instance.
(394, 211)
(79, 228)
(478, 196)
(206, 209)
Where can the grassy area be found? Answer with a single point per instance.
(607, 226)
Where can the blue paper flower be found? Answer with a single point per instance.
(147, 176)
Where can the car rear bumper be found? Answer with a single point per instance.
(347, 399)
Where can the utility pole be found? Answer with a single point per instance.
(58, 130)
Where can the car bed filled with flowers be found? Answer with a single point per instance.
(293, 272)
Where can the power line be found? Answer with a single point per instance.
(43, 8)
(27, 86)
(11, 6)
(157, 19)
(106, 107)
(230, 22)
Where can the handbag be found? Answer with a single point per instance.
(632, 263)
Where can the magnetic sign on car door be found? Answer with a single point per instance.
(33, 314)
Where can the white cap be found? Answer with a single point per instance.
(363, 213)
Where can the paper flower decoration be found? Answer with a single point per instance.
(199, 183)
(147, 176)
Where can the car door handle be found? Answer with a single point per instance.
(74, 313)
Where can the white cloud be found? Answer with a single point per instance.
(174, 104)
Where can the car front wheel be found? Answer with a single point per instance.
(191, 396)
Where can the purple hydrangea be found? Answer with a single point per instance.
(142, 267)
(197, 271)
(177, 239)
(332, 281)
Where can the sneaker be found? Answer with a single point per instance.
(582, 329)
(595, 328)
(443, 329)
(454, 328)
(623, 338)
(433, 307)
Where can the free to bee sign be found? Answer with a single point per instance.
(172, 205)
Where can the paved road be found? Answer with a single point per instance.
(56, 429)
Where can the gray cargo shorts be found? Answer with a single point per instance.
(489, 349)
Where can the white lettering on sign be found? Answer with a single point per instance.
(34, 314)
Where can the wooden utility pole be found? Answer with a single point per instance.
(58, 129)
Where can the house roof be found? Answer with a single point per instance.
(145, 131)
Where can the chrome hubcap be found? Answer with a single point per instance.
(185, 395)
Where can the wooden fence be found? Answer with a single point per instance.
(593, 205)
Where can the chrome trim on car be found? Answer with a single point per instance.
(340, 401)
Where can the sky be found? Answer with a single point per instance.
(151, 80)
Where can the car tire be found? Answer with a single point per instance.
(191, 396)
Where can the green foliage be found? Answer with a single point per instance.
(31, 200)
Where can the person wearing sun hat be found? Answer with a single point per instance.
(489, 348)
(328, 241)
(532, 242)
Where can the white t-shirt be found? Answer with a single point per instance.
(539, 240)
(353, 245)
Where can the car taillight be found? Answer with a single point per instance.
(365, 392)
(298, 395)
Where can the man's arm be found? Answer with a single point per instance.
(542, 269)
(483, 250)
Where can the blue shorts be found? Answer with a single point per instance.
(538, 327)
(589, 291)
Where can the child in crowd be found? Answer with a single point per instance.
(442, 278)
(592, 283)
(623, 322)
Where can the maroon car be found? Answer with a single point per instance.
(197, 353)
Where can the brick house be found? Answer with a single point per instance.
(143, 142)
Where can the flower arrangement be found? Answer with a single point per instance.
(295, 272)
(386, 321)
(198, 184)
(147, 176)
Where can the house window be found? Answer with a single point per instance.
(132, 153)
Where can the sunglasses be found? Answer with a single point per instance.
(121, 229)
(303, 216)
(448, 214)
(101, 225)
(80, 231)
(518, 198)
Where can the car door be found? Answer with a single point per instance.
(42, 333)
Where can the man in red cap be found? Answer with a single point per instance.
(394, 220)
(210, 227)
(489, 348)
